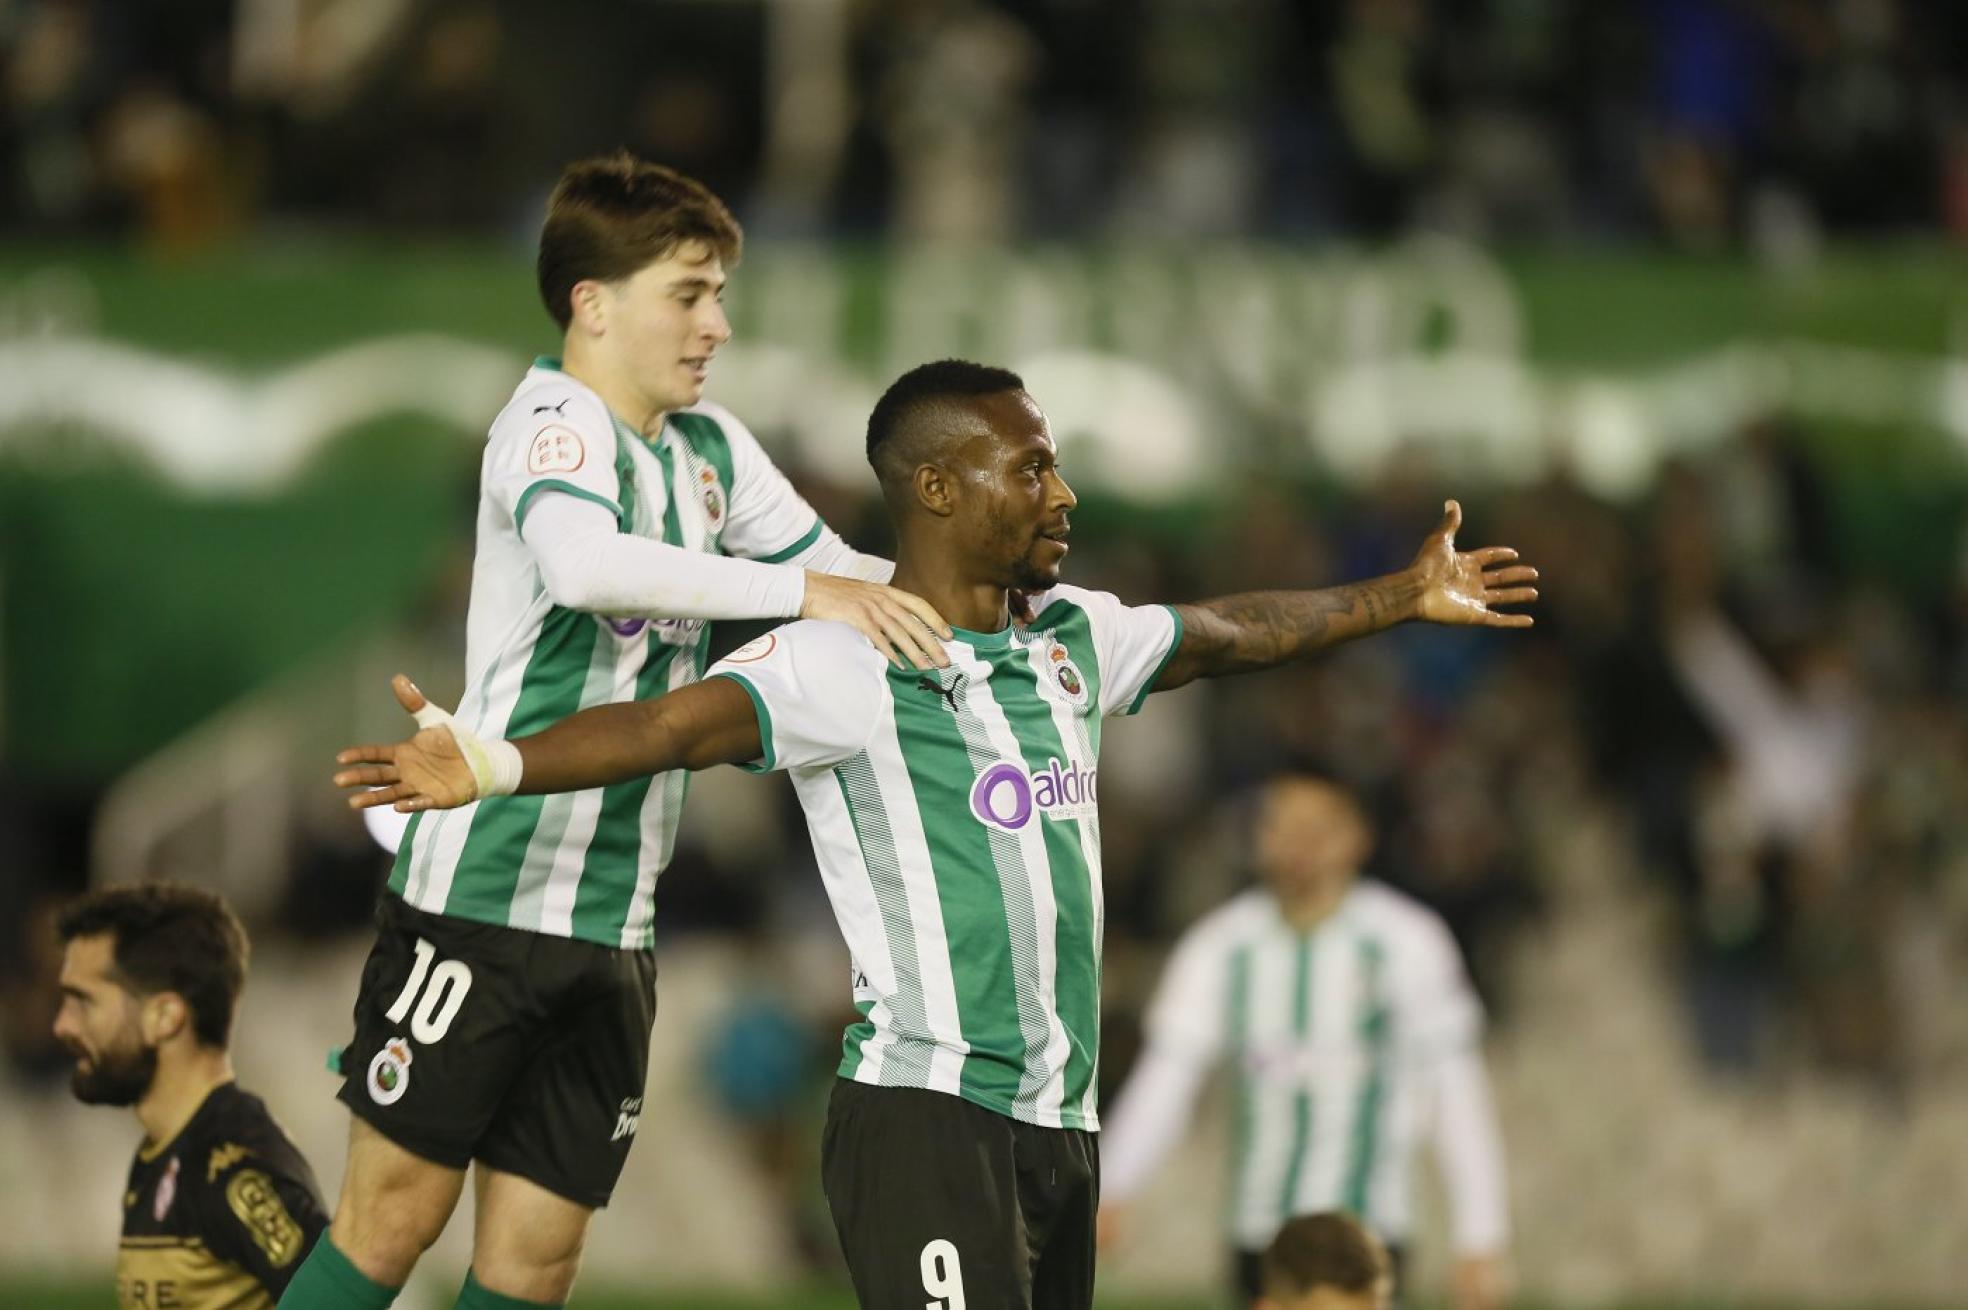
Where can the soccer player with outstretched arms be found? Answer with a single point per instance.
(953, 814)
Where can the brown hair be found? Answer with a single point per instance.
(614, 215)
(1324, 1250)
(167, 937)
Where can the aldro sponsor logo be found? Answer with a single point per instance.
(671, 632)
(1006, 796)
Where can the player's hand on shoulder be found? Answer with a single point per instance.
(427, 772)
(1462, 586)
(903, 627)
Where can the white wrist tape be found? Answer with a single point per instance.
(495, 765)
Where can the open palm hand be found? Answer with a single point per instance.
(1463, 586)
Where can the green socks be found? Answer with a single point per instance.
(327, 1281)
(472, 1296)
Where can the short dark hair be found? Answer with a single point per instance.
(167, 937)
(1329, 1249)
(911, 397)
(611, 216)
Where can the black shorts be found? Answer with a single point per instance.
(521, 1050)
(940, 1203)
(1247, 1270)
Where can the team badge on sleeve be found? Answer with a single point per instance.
(257, 1205)
(754, 650)
(556, 449)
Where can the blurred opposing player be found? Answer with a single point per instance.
(954, 819)
(1326, 1261)
(220, 1207)
(504, 1016)
(1342, 1011)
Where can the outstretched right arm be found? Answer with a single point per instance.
(444, 765)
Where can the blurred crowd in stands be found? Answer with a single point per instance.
(1700, 122)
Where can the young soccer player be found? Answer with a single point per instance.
(1350, 1031)
(220, 1207)
(953, 815)
(504, 1017)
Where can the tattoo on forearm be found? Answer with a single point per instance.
(1259, 629)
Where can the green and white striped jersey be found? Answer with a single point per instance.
(1329, 1037)
(953, 815)
(584, 864)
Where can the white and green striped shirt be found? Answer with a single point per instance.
(953, 814)
(1335, 1041)
(584, 864)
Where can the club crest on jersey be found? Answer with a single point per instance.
(556, 449)
(389, 1072)
(1006, 797)
(1066, 675)
(167, 1191)
(713, 499)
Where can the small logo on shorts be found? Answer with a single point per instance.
(629, 1119)
(389, 1072)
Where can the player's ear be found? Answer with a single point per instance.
(935, 491)
(165, 1015)
(588, 303)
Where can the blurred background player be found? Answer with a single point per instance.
(504, 1016)
(1342, 1011)
(220, 1207)
(955, 821)
(1326, 1261)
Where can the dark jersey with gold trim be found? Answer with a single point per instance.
(220, 1217)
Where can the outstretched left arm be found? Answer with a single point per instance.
(1262, 629)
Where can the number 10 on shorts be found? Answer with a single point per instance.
(942, 1275)
(448, 983)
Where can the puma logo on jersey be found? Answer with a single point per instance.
(949, 693)
(555, 409)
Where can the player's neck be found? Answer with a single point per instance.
(976, 606)
(624, 399)
(177, 1091)
(1307, 912)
